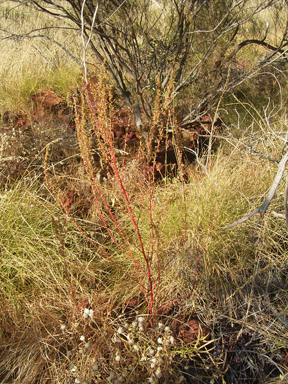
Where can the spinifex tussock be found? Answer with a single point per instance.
(61, 319)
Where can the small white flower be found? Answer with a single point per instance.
(141, 319)
(159, 340)
(91, 313)
(136, 347)
(87, 345)
(160, 361)
(73, 369)
(151, 351)
(158, 373)
(111, 376)
(116, 339)
(120, 330)
(95, 367)
(63, 327)
(86, 313)
(82, 338)
(167, 329)
(152, 365)
(172, 340)
(130, 338)
(141, 329)
(134, 324)
(81, 350)
(159, 349)
(76, 381)
(160, 325)
(118, 357)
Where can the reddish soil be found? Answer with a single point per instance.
(52, 119)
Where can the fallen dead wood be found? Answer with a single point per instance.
(263, 208)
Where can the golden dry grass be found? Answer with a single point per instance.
(70, 316)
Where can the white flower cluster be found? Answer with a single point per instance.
(88, 313)
(75, 370)
(151, 348)
(141, 320)
(152, 352)
(116, 379)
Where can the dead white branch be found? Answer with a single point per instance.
(263, 208)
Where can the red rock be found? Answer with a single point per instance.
(46, 98)
(190, 330)
(21, 122)
(132, 303)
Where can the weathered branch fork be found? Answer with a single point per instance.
(263, 208)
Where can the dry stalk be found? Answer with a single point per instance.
(94, 117)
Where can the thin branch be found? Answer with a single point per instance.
(86, 44)
(263, 208)
(285, 202)
(262, 43)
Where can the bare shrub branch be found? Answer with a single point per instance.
(193, 40)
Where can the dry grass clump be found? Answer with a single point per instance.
(78, 344)
(112, 276)
(60, 321)
(73, 298)
(31, 61)
(67, 314)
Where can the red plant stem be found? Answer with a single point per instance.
(126, 197)
(130, 254)
(89, 170)
(92, 242)
(109, 144)
(136, 227)
(95, 245)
